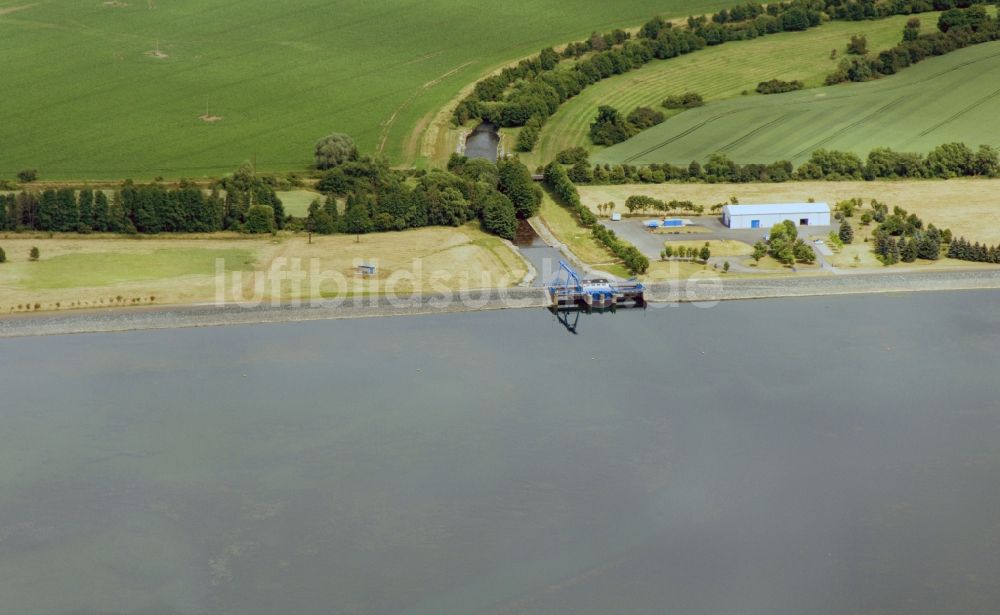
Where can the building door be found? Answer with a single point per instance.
(803, 221)
(755, 224)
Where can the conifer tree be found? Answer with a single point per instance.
(86, 208)
(846, 232)
(101, 212)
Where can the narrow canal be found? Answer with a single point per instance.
(544, 258)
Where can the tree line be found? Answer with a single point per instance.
(242, 203)
(961, 249)
(643, 203)
(957, 28)
(565, 193)
(945, 161)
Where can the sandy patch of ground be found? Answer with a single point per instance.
(210, 119)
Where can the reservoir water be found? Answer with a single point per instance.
(823, 456)
(483, 142)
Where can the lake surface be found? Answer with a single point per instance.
(828, 456)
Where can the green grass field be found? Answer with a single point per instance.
(109, 268)
(716, 73)
(107, 90)
(949, 98)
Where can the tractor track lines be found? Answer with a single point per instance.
(959, 114)
(729, 146)
(864, 120)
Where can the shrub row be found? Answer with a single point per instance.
(634, 260)
(943, 162)
(565, 192)
(777, 86)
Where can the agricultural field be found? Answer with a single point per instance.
(192, 88)
(76, 271)
(942, 99)
(967, 206)
(716, 73)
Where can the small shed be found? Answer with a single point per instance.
(766, 216)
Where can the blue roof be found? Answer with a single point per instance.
(777, 208)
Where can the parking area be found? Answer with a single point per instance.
(707, 228)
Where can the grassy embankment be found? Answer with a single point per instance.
(717, 73)
(109, 90)
(942, 99)
(966, 206)
(77, 271)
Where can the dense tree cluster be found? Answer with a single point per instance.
(957, 28)
(645, 117)
(147, 208)
(376, 198)
(902, 237)
(784, 245)
(609, 127)
(777, 86)
(688, 100)
(535, 89)
(945, 161)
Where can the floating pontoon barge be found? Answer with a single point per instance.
(568, 291)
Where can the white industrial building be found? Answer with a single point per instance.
(766, 216)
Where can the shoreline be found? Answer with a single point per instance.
(658, 295)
